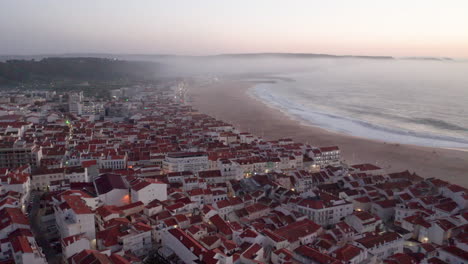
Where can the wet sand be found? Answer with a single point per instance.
(228, 100)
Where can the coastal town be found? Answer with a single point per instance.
(143, 177)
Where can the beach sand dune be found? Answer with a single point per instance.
(227, 100)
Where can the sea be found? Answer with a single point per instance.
(419, 102)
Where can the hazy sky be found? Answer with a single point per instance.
(198, 27)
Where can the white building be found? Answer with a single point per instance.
(453, 255)
(115, 162)
(74, 103)
(325, 213)
(41, 180)
(363, 222)
(112, 190)
(185, 161)
(92, 108)
(74, 217)
(146, 191)
(384, 209)
(325, 156)
(135, 238)
(437, 232)
(350, 254)
(17, 181)
(381, 245)
(184, 246)
(21, 249)
(299, 233)
(12, 219)
(77, 174)
(74, 244)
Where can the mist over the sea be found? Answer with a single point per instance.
(399, 101)
(410, 101)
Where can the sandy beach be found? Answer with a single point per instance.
(228, 100)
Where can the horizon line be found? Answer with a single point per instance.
(444, 58)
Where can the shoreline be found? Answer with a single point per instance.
(230, 101)
(250, 92)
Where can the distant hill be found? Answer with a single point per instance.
(74, 69)
(156, 57)
(298, 55)
(428, 58)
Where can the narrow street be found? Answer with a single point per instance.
(39, 232)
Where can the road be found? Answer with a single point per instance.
(39, 232)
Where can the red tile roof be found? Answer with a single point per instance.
(221, 225)
(11, 216)
(347, 253)
(21, 244)
(315, 256)
(297, 230)
(188, 241)
(456, 251)
(372, 240)
(75, 203)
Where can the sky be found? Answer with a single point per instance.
(206, 27)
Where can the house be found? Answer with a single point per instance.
(133, 237)
(148, 190)
(98, 257)
(12, 219)
(21, 247)
(363, 222)
(74, 217)
(221, 226)
(113, 162)
(437, 232)
(224, 208)
(197, 231)
(363, 203)
(384, 209)
(17, 181)
(306, 254)
(42, 178)
(256, 210)
(325, 156)
(281, 256)
(299, 233)
(381, 245)
(325, 212)
(453, 255)
(350, 254)
(153, 207)
(273, 240)
(106, 213)
(173, 177)
(248, 236)
(185, 161)
(74, 244)
(367, 168)
(414, 224)
(211, 176)
(77, 174)
(253, 255)
(183, 245)
(111, 189)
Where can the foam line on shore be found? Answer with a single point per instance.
(334, 123)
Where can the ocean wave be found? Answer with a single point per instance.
(438, 124)
(358, 127)
(435, 123)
